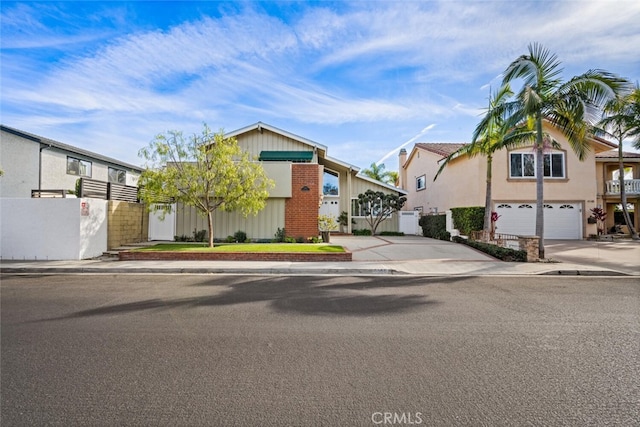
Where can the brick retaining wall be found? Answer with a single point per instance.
(235, 256)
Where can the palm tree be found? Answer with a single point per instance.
(490, 135)
(572, 107)
(378, 173)
(620, 121)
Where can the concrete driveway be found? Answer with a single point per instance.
(617, 255)
(407, 248)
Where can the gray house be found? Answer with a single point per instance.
(31, 162)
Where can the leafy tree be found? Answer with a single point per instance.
(572, 107)
(378, 173)
(206, 171)
(490, 136)
(621, 120)
(377, 206)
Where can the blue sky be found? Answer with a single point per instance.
(362, 78)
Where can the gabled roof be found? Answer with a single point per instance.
(69, 148)
(322, 150)
(259, 126)
(442, 149)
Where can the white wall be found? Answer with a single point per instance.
(19, 161)
(54, 229)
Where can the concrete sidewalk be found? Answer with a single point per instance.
(377, 255)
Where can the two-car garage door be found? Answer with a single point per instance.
(561, 220)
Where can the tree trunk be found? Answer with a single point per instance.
(539, 187)
(210, 218)
(487, 201)
(623, 194)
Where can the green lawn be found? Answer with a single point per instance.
(243, 247)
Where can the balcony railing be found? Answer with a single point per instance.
(631, 186)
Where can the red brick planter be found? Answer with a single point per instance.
(235, 256)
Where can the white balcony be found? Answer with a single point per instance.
(631, 186)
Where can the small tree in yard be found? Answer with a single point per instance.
(377, 206)
(206, 171)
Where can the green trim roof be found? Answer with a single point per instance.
(286, 156)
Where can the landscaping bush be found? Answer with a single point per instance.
(230, 239)
(280, 236)
(504, 254)
(468, 219)
(240, 236)
(200, 236)
(392, 233)
(362, 232)
(435, 227)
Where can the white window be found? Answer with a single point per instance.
(78, 167)
(421, 183)
(117, 175)
(331, 183)
(523, 165)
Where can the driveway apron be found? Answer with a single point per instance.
(405, 248)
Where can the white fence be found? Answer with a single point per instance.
(52, 229)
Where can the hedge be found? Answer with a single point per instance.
(504, 254)
(435, 226)
(468, 219)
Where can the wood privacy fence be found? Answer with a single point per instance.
(94, 189)
(107, 190)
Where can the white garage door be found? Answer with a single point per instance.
(561, 220)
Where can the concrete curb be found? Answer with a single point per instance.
(329, 271)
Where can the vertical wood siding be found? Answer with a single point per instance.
(254, 142)
(262, 226)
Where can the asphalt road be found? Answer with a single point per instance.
(362, 351)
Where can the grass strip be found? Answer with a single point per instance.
(244, 247)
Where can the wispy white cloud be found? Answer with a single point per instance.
(381, 63)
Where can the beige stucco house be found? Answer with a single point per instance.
(308, 183)
(572, 187)
(608, 186)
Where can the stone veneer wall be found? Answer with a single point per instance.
(301, 209)
(127, 223)
(531, 245)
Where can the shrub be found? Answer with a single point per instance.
(362, 232)
(280, 236)
(435, 227)
(468, 219)
(182, 238)
(289, 240)
(299, 239)
(200, 236)
(392, 233)
(240, 236)
(230, 239)
(313, 239)
(504, 254)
